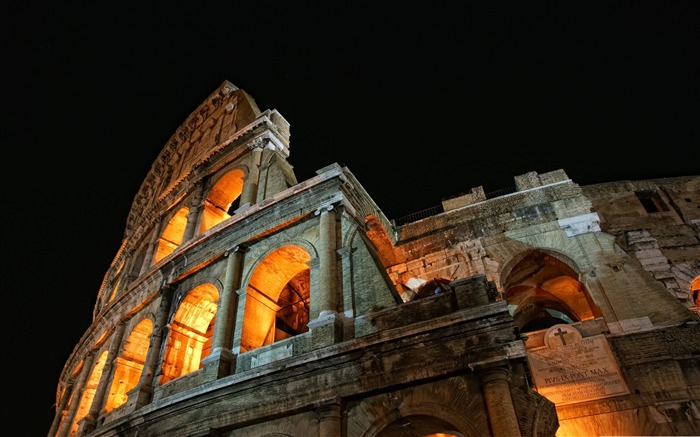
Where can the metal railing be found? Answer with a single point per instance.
(434, 210)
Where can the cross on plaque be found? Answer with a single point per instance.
(561, 335)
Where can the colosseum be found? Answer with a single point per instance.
(243, 302)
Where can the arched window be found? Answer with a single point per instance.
(172, 235)
(277, 298)
(190, 334)
(222, 200)
(89, 392)
(543, 291)
(129, 365)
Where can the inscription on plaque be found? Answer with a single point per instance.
(574, 369)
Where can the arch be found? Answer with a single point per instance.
(129, 364)
(377, 234)
(419, 426)
(88, 393)
(542, 289)
(116, 281)
(222, 200)
(171, 237)
(189, 339)
(277, 297)
(423, 419)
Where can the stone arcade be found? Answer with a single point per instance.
(245, 303)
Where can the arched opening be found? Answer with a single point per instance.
(129, 364)
(191, 329)
(88, 392)
(222, 200)
(171, 237)
(695, 291)
(117, 281)
(418, 425)
(277, 299)
(543, 291)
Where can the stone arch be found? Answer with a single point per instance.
(222, 198)
(451, 407)
(191, 329)
(543, 288)
(277, 295)
(116, 280)
(377, 234)
(129, 364)
(172, 235)
(88, 392)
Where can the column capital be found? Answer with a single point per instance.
(258, 144)
(324, 209)
(236, 249)
(490, 374)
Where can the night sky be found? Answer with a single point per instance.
(420, 100)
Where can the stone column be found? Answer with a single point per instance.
(98, 400)
(61, 408)
(77, 396)
(221, 357)
(251, 182)
(329, 423)
(128, 270)
(327, 327)
(193, 214)
(345, 254)
(326, 296)
(499, 403)
(148, 258)
(144, 389)
(242, 294)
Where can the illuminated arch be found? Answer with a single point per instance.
(89, 392)
(117, 281)
(222, 199)
(277, 298)
(542, 290)
(171, 237)
(190, 332)
(129, 365)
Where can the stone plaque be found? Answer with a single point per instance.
(575, 369)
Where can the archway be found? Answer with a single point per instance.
(222, 200)
(190, 332)
(542, 291)
(277, 298)
(129, 364)
(172, 235)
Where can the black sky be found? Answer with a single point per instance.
(421, 100)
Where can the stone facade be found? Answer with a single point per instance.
(243, 302)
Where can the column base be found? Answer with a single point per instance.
(219, 363)
(326, 330)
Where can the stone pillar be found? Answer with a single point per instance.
(193, 214)
(345, 254)
(242, 294)
(128, 270)
(326, 296)
(221, 357)
(148, 258)
(77, 397)
(329, 423)
(98, 400)
(327, 327)
(144, 389)
(250, 184)
(499, 403)
(60, 409)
